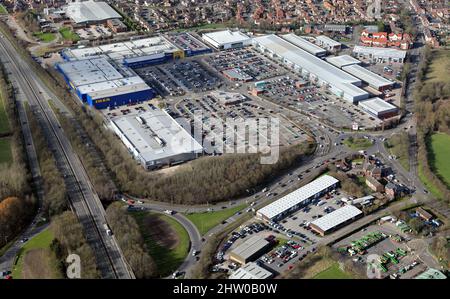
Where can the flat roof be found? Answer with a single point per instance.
(114, 87)
(90, 11)
(226, 37)
(250, 247)
(298, 196)
(378, 105)
(380, 52)
(119, 51)
(227, 97)
(367, 76)
(329, 41)
(342, 60)
(251, 271)
(322, 69)
(89, 71)
(186, 41)
(304, 44)
(337, 217)
(160, 137)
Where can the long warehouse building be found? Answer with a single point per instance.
(319, 71)
(374, 80)
(297, 199)
(305, 44)
(336, 219)
(251, 271)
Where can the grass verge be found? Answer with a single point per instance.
(358, 143)
(440, 150)
(207, 220)
(5, 151)
(333, 272)
(40, 243)
(168, 256)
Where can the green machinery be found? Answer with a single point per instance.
(400, 252)
(366, 241)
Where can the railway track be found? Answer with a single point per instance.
(91, 220)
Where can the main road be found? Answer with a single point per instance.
(83, 199)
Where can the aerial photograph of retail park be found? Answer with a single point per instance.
(236, 140)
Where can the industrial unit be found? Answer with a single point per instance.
(379, 54)
(297, 199)
(251, 271)
(90, 12)
(99, 84)
(319, 71)
(228, 98)
(155, 139)
(328, 43)
(336, 219)
(190, 45)
(379, 108)
(250, 250)
(374, 80)
(304, 44)
(342, 60)
(227, 39)
(134, 53)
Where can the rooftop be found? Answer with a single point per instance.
(367, 75)
(377, 104)
(343, 60)
(298, 196)
(328, 40)
(337, 217)
(89, 71)
(250, 247)
(226, 36)
(380, 52)
(251, 271)
(90, 11)
(122, 50)
(322, 69)
(304, 44)
(432, 274)
(158, 137)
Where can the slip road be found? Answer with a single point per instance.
(226, 288)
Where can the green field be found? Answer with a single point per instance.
(167, 258)
(207, 220)
(438, 70)
(45, 37)
(4, 123)
(430, 186)
(358, 143)
(440, 152)
(68, 34)
(5, 151)
(3, 9)
(41, 241)
(333, 272)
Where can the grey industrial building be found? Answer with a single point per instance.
(379, 54)
(250, 250)
(251, 271)
(304, 44)
(155, 139)
(378, 108)
(374, 80)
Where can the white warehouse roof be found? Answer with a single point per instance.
(159, 138)
(90, 11)
(380, 52)
(337, 217)
(343, 60)
(314, 65)
(377, 106)
(251, 271)
(328, 41)
(304, 44)
(225, 37)
(374, 80)
(298, 196)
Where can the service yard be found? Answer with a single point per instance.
(395, 254)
